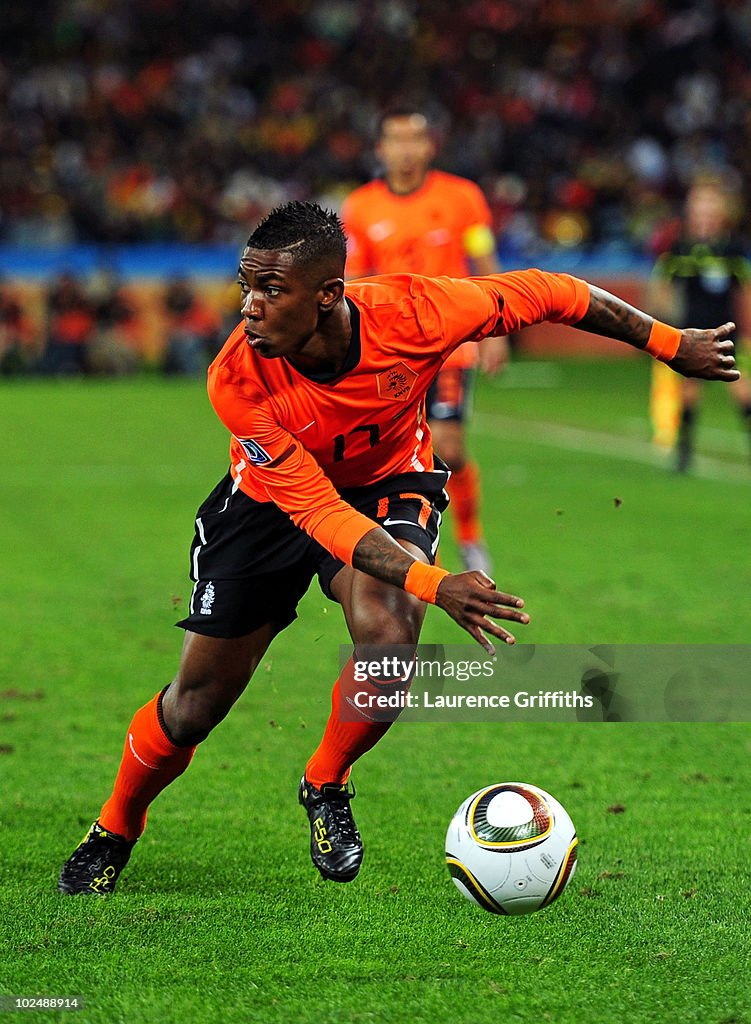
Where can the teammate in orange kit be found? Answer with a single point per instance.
(332, 473)
(420, 221)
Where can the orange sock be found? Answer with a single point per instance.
(464, 491)
(344, 741)
(150, 762)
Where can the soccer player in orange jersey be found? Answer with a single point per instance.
(332, 474)
(421, 221)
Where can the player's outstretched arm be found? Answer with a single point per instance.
(468, 597)
(709, 354)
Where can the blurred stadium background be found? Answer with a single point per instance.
(140, 141)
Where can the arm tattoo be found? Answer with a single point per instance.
(379, 555)
(612, 317)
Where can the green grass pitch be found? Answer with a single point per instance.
(220, 916)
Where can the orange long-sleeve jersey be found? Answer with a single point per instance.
(297, 441)
(436, 230)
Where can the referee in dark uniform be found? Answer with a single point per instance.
(706, 272)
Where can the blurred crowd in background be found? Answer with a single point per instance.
(128, 121)
(137, 120)
(99, 326)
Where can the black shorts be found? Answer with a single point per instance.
(251, 565)
(449, 397)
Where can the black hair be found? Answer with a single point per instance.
(310, 232)
(401, 110)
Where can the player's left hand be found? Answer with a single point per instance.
(494, 354)
(470, 597)
(709, 355)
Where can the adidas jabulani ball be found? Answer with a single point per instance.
(511, 848)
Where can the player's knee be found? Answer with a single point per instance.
(455, 462)
(453, 454)
(448, 440)
(192, 711)
(388, 628)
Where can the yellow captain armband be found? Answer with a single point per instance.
(478, 240)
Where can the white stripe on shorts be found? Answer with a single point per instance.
(202, 535)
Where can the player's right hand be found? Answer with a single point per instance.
(470, 597)
(709, 355)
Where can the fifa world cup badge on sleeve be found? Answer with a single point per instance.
(257, 455)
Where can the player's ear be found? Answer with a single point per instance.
(330, 293)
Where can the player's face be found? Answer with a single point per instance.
(405, 147)
(281, 303)
(706, 212)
